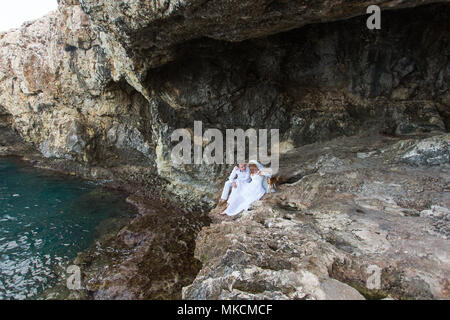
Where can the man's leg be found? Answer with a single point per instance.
(226, 191)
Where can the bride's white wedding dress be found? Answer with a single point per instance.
(249, 193)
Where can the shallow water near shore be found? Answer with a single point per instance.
(46, 219)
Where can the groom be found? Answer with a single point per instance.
(240, 174)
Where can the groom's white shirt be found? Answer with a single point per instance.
(235, 176)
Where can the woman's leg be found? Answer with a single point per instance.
(235, 206)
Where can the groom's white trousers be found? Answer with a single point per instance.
(226, 190)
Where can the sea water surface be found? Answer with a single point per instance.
(45, 220)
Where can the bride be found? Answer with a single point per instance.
(249, 193)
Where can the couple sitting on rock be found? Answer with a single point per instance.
(248, 183)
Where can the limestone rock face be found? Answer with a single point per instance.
(354, 217)
(56, 83)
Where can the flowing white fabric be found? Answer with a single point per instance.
(246, 195)
(238, 190)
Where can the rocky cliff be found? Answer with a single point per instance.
(97, 87)
(106, 83)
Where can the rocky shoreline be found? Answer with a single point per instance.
(151, 256)
(96, 91)
(346, 210)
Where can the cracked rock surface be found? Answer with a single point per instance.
(358, 221)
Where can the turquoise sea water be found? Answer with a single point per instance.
(45, 220)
